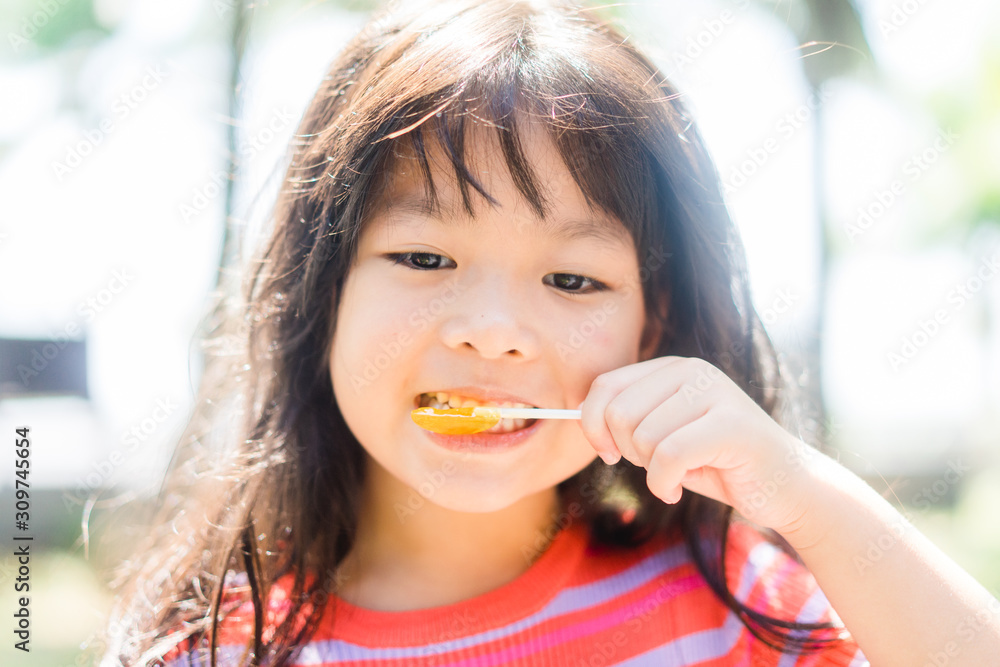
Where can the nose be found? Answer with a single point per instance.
(492, 319)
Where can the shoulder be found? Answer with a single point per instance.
(766, 578)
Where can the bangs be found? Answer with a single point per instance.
(608, 163)
(496, 70)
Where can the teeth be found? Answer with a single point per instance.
(507, 425)
(442, 400)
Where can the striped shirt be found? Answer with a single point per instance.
(577, 605)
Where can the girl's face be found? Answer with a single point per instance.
(502, 307)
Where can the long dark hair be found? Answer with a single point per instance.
(266, 477)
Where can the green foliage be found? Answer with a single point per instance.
(50, 25)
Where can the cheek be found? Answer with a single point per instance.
(372, 337)
(367, 366)
(371, 312)
(609, 332)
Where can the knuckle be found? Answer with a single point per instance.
(670, 446)
(662, 454)
(690, 363)
(704, 364)
(616, 415)
(705, 368)
(601, 383)
(644, 438)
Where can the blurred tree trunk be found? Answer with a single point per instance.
(833, 44)
(231, 233)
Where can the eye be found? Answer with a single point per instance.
(422, 261)
(429, 261)
(570, 282)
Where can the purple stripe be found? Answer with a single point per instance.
(582, 629)
(567, 601)
(700, 646)
(693, 648)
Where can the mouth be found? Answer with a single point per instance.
(443, 400)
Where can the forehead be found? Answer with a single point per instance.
(565, 212)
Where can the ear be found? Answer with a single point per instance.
(655, 328)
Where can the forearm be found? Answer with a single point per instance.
(905, 601)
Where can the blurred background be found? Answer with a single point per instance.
(142, 143)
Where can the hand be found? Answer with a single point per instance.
(690, 426)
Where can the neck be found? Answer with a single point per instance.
(410, 553)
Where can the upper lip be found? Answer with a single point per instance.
(481, 394)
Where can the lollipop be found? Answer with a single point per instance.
(464, 421)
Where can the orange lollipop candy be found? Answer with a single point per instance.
(465, 421)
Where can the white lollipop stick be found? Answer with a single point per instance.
(537, 413)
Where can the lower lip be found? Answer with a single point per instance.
(484, 442)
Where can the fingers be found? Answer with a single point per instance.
(688, 424)
(628, 411)
(666, 418)
(639, 403)
(605, 389)
(681, 458)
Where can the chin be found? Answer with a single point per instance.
(474, 497)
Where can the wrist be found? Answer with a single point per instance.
(813, 492)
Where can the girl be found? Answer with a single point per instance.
(504, 201)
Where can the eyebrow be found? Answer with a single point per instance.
(555, 229)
